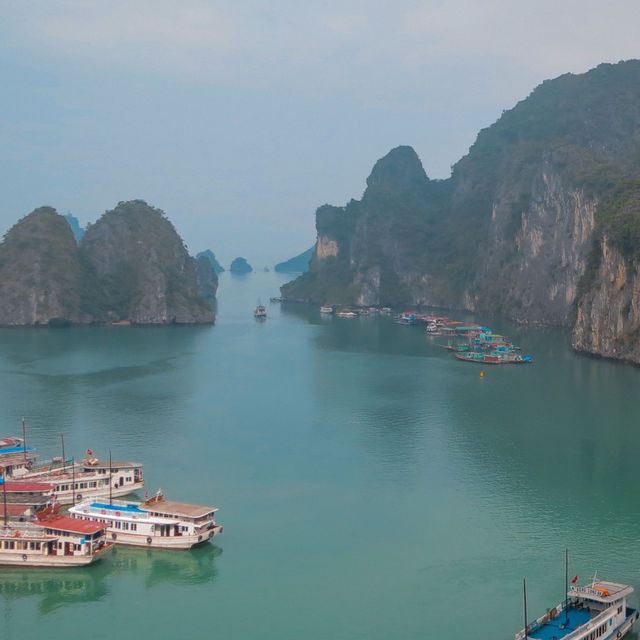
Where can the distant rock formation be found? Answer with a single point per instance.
(131, 265)
(144, 272)
(212, 258)
(41, 275)
(206, 277)
(298, 264)
(78, 231)
(240, 265)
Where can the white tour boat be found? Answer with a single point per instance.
(54, 541)
(91, 478)
(154, 523)
(597, 611)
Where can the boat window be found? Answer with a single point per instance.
(620, 609)
(134, 526)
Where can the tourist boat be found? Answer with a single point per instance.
(493, 358)
(597, 610)
(155, 522)
(346, 313)
(91, 478)
(53, 541)
(260, 311)
(326, 309)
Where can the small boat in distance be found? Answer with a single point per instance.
(326, 309)
(260, 311)
(597, 610)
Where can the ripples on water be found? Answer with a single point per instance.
(370, 485)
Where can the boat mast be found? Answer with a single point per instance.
(24, 438)
(73, 478)
(524, 584)
(110, 486)
(64, 466)
(566, 584)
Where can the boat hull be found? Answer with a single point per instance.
(40, 560)
(183, 542)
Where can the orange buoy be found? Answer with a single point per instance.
(482, 374)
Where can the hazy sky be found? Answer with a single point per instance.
(240, 118)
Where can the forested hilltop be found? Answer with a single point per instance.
(130, 265)
(540, 220)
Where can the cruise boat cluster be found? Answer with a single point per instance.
(62, 513)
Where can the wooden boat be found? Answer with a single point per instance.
(90, 478)
(493, 358)
(596, 611)
(53, 541)
(154, 523)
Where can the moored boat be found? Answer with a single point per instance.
(493, 358)
(54, 541)
(90, 478)
(596, 611)
(326, 309)
(154, 523)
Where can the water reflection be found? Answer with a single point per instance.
(72, 586)
(195, 566)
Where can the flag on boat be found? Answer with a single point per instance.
(575, 579)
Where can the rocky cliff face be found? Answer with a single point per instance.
(41, 277)
(143, 270)
(131, 265)
(514, 228)
(608, 316)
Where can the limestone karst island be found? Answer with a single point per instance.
(539, 221)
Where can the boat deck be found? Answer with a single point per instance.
(558, 627)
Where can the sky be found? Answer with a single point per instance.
(240, 118)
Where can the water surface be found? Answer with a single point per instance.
(370, 485)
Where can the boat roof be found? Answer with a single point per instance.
(100, 464)
(17, 457)
(15, 486)
(6, 450)
(178, 508)
(601, 591)
(129, 508)
(14, 509)
(73, 525)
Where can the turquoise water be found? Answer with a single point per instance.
(370, 485)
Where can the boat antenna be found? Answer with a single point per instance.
(566, 584)
(73, 478)
(110, 486)
(24, 438)
(524, 584)
(64, 465)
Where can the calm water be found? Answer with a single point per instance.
(369, 484)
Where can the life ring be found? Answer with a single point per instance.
(24, 556)
(149, 540)
(114, 536)
(619, 635)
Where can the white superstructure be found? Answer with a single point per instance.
(154, 523)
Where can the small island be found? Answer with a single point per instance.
(240, 265)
